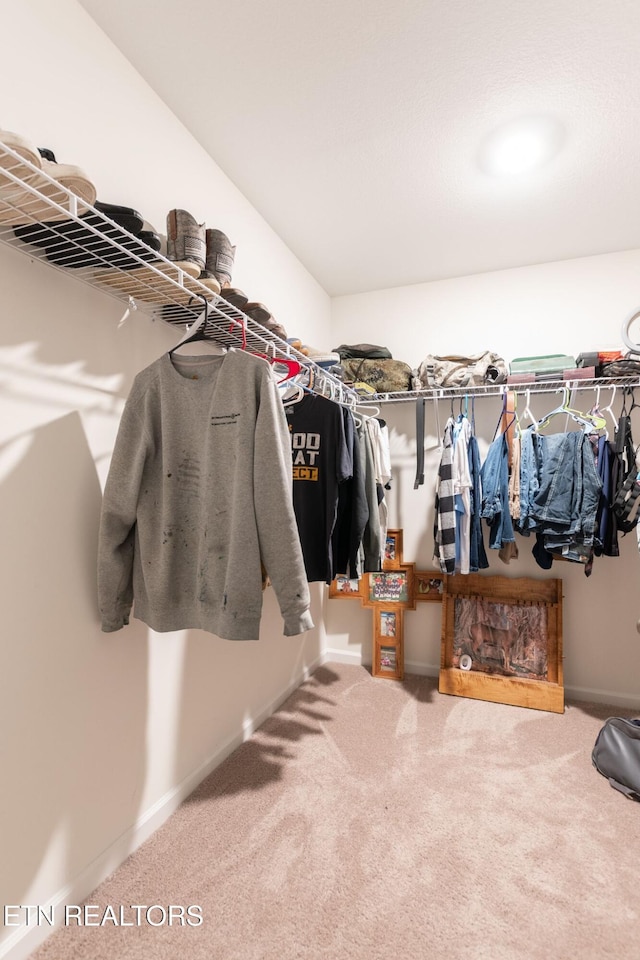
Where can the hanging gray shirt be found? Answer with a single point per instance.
(198, 496)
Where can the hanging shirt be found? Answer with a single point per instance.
(444, 525)
(477, 554)
(198, 496)
(494, 477)
(372, 542)
(353, 508)
(461, 477)
(379, 436)
(321, 462)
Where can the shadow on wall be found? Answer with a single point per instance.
(73, 701)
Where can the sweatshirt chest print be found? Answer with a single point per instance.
(225, 420)
(306, 451)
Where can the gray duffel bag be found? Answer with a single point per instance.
(616, 755)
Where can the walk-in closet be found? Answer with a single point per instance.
(307, 640)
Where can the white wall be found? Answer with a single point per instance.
(566, 307)
(102, 734)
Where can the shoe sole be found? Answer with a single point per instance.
(24, 207)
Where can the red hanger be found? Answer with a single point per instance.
(293, 367)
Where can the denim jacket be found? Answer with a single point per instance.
(495, 494)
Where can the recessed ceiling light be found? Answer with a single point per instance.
(520, 146)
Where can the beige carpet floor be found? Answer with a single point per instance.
(373, 820)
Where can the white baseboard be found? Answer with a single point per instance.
(25, 939)
(348, 656)
(342, 656)
(421, 669)
(584, 694)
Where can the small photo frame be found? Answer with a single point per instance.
(345, 588)
(429, 586)
(388, 619)
(390, 586)
(388, 657)
(392, 550)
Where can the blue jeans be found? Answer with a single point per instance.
(529, 482)
(565, 505)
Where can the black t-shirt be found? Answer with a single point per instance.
(321, 462)
(353, 507)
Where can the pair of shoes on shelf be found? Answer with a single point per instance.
(51, 180)
(68, 243)
(322, 358)
(208, 255)
(205, 254)
(262, 315)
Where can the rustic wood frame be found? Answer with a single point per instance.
(540, 694)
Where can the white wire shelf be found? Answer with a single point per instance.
(42, 218)
(497, 390)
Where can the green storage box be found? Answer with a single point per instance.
(543, 366)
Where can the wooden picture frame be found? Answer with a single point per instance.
(388, 654)
(392, 550)
(429, 586)
(502, 641)
(346, 588)
(392, 585)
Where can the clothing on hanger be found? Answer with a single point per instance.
(444, 525)
(379, 437)
(198, 498)
(321, 463)
(477, 554)
(353, 507)
(461, 476)
(372, 547)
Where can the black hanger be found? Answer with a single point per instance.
(198, 329)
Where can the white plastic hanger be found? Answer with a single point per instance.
(589, 423)
(609, 409)
(527, 410)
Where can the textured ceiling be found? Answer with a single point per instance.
(355, 127)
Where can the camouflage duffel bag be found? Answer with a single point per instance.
(383, 376)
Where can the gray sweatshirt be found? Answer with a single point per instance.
(199, 494)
